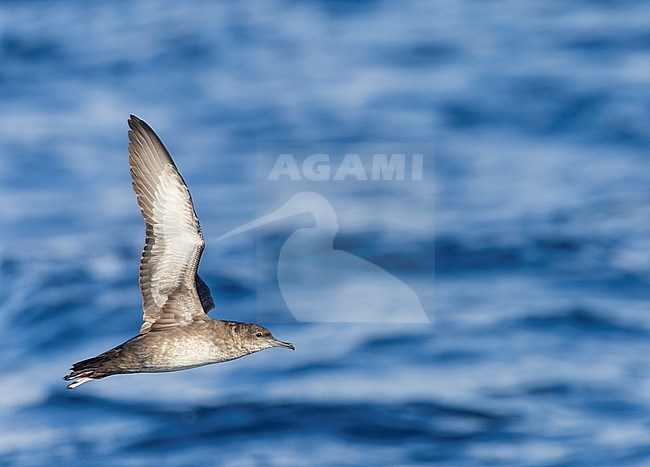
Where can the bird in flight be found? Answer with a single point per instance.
(177, 333)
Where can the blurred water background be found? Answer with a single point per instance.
(540, 113)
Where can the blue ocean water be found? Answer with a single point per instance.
(540, 114)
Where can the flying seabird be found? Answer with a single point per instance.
(177, 333)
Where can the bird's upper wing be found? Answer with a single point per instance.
(174, 242)
(204, 294)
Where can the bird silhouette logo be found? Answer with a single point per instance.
(320, 283)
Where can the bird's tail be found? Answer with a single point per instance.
(93, 368)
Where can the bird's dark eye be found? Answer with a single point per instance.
(259, 334)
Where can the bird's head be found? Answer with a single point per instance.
(254, 338)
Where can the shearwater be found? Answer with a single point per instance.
(177, 333)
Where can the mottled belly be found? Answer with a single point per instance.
(159, 354)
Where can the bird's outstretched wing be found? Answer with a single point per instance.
(174, 242)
